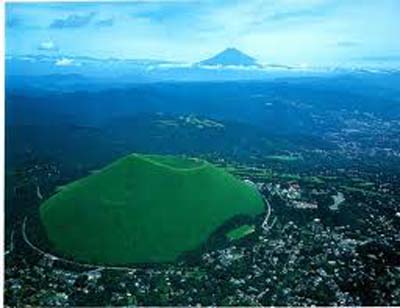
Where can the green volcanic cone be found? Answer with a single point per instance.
(144, 208)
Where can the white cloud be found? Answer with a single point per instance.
(48, 46)
(65, 62)
(231, 67)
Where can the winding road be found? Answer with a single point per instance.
(47, 255)
(53, 257)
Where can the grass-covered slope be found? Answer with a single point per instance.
(144, 208)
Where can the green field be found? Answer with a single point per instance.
(313, 179)
(283, 158)
(240, 232)
(144, 208)
(362, 191)
(288, 176)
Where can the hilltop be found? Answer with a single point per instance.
(144, 208)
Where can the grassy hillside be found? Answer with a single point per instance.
(144, 208)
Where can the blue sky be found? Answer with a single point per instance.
(314, 32)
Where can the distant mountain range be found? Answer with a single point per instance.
(58, 70)
(230, 57)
